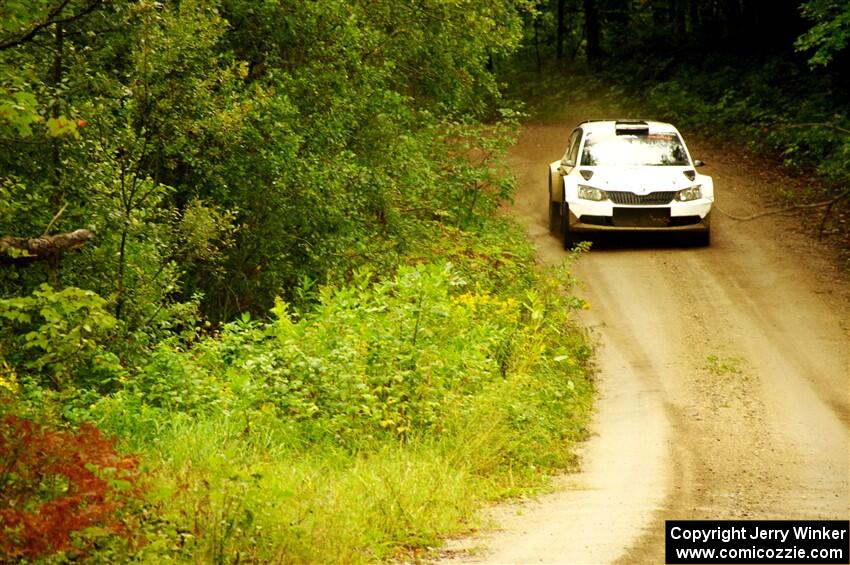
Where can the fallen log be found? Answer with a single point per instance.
(23, 249)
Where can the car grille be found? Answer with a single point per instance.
(632, 199)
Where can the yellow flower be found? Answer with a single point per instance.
(8, 378)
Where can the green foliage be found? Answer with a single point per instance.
(719, 366)
(371, 360)
(229, 497)
(387, 358)
(57, 336)
(299, 305)
(769, 109)
(291, 142)
(18, 111)
(830, 33)
(373, 421)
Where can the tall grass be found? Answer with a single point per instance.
(369, 427)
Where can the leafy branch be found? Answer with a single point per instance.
(53, 17)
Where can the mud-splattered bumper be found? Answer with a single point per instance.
(604, 216)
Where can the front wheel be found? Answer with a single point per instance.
(554, 211)
(568, 235)
(701, 239)
(554, 216)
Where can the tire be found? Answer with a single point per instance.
(566, 233)
(554, 217)
(701, 239)
(554, 211)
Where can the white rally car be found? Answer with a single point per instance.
(628, 175)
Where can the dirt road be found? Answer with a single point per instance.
(723, 375)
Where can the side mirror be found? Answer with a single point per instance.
(699, 163)
(566, 163)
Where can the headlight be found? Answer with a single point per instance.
(688, 194)
(590, 193)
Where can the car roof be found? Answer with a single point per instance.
(612, 126)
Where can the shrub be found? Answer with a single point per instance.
(56, 483)
(369, 426)
(58, 337)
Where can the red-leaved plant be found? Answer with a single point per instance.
(54, 483)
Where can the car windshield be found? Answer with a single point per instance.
(663, 149)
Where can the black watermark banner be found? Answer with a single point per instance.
(757, 541)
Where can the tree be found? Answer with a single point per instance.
(830, 33)
(561, 29)
(592, 29)
(225, 151)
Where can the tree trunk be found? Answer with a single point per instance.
(53, 263)
(592, 29)
(619, 12)
(693, 16)
(561, 31)
(678, 10)
(537, 46)
(660, 13)
(732, 16)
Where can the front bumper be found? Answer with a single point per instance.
(586, 216)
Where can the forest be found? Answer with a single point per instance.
(259, 297)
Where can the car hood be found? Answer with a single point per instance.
(640, 180)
